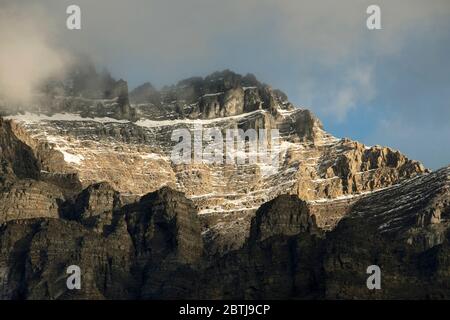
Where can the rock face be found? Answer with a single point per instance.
(83, 140)
(16, 157)
(89, 181)
(94, 201)
(403, 230)
(281, 259)
(26, 199)
(153, 248)
(36, 253)
(141, 253)
(285, 215)
(167, 239)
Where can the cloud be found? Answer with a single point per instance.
(424, 141)
(26, 56)
(357, 86)
(164, 40)
(339, 57)
(336, 30)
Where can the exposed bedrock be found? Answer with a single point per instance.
(153, 248)
(86, 179)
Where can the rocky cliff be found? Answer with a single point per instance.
(87, 179)
(153, 248)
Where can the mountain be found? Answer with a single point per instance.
(88, 179)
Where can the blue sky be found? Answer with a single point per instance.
(389, 87)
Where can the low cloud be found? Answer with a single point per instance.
(339, 57)
(340, 94)
(358, 86)
(27, 57)
(425, 141)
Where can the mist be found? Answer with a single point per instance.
(27, 56)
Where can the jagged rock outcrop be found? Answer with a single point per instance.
(384, 165)
(285, 215)
(95, 200)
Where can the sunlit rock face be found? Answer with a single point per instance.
(126, 140)
(88, 177)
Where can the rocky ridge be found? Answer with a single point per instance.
(84, 137)
(91, 168)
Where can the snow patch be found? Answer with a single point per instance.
(152, 123)
(72, 158)
(34, 117)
